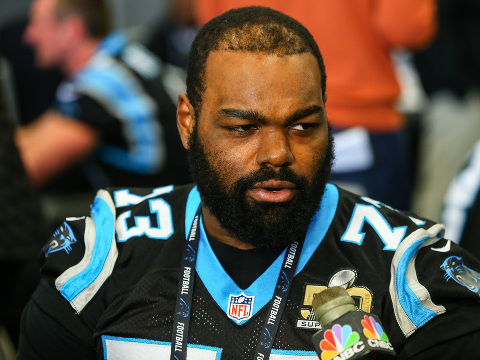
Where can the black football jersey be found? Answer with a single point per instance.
(120, 93)
(110, 281)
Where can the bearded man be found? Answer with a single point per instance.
(227, 269)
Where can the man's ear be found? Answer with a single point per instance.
(185, 119)
(75, 29)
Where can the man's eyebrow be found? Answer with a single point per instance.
(256, 117)
(303, 113)
(244, 115)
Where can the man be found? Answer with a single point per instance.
(265, 232)
(371, 134)
(111, 116)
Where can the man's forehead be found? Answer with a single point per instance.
(228, 52)
(246, 66)
(221, 57)
(261, 82)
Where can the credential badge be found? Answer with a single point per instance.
(240, 307)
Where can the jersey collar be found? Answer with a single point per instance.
(218, 282)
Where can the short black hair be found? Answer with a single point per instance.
(253, 29)
(97, 14)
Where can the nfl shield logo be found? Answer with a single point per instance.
(240, 307)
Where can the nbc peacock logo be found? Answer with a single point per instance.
(372, 329)
(337, 339)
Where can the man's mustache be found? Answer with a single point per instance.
(267, 173)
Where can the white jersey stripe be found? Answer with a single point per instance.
(79, 283)
(412, 303)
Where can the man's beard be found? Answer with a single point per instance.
(260, 224)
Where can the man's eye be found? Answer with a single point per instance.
(303, 126)
(242, 128)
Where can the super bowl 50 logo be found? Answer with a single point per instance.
(344, 278)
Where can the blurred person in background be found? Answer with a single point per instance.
(450, 73)
(357, 38)
(32, 88)
(112, 122)
(450, 176)
(461, 210)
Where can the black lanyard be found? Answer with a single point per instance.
(185, 296)
(185, 293)
(280, 295)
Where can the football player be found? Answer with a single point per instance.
(227, 269)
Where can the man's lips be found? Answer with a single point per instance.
(274, 191)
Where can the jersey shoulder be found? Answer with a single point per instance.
(427, 271)
(114, 78)
(360, 215)
(124, 227)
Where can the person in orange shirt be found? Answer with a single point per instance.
(357, 38)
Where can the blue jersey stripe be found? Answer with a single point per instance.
(117, 90)
(104, 227)
(409, 301)
(113, 44)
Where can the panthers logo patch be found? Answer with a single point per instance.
(63, 238)
(463, 275)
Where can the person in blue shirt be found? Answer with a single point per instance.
(112, 119)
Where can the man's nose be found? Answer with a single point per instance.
(274, 149)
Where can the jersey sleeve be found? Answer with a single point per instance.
(50, 329)
(82, 253)
(60, 319)
(461, 348)
(435, 293)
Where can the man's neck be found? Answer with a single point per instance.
(79, 57)
(215, 230)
